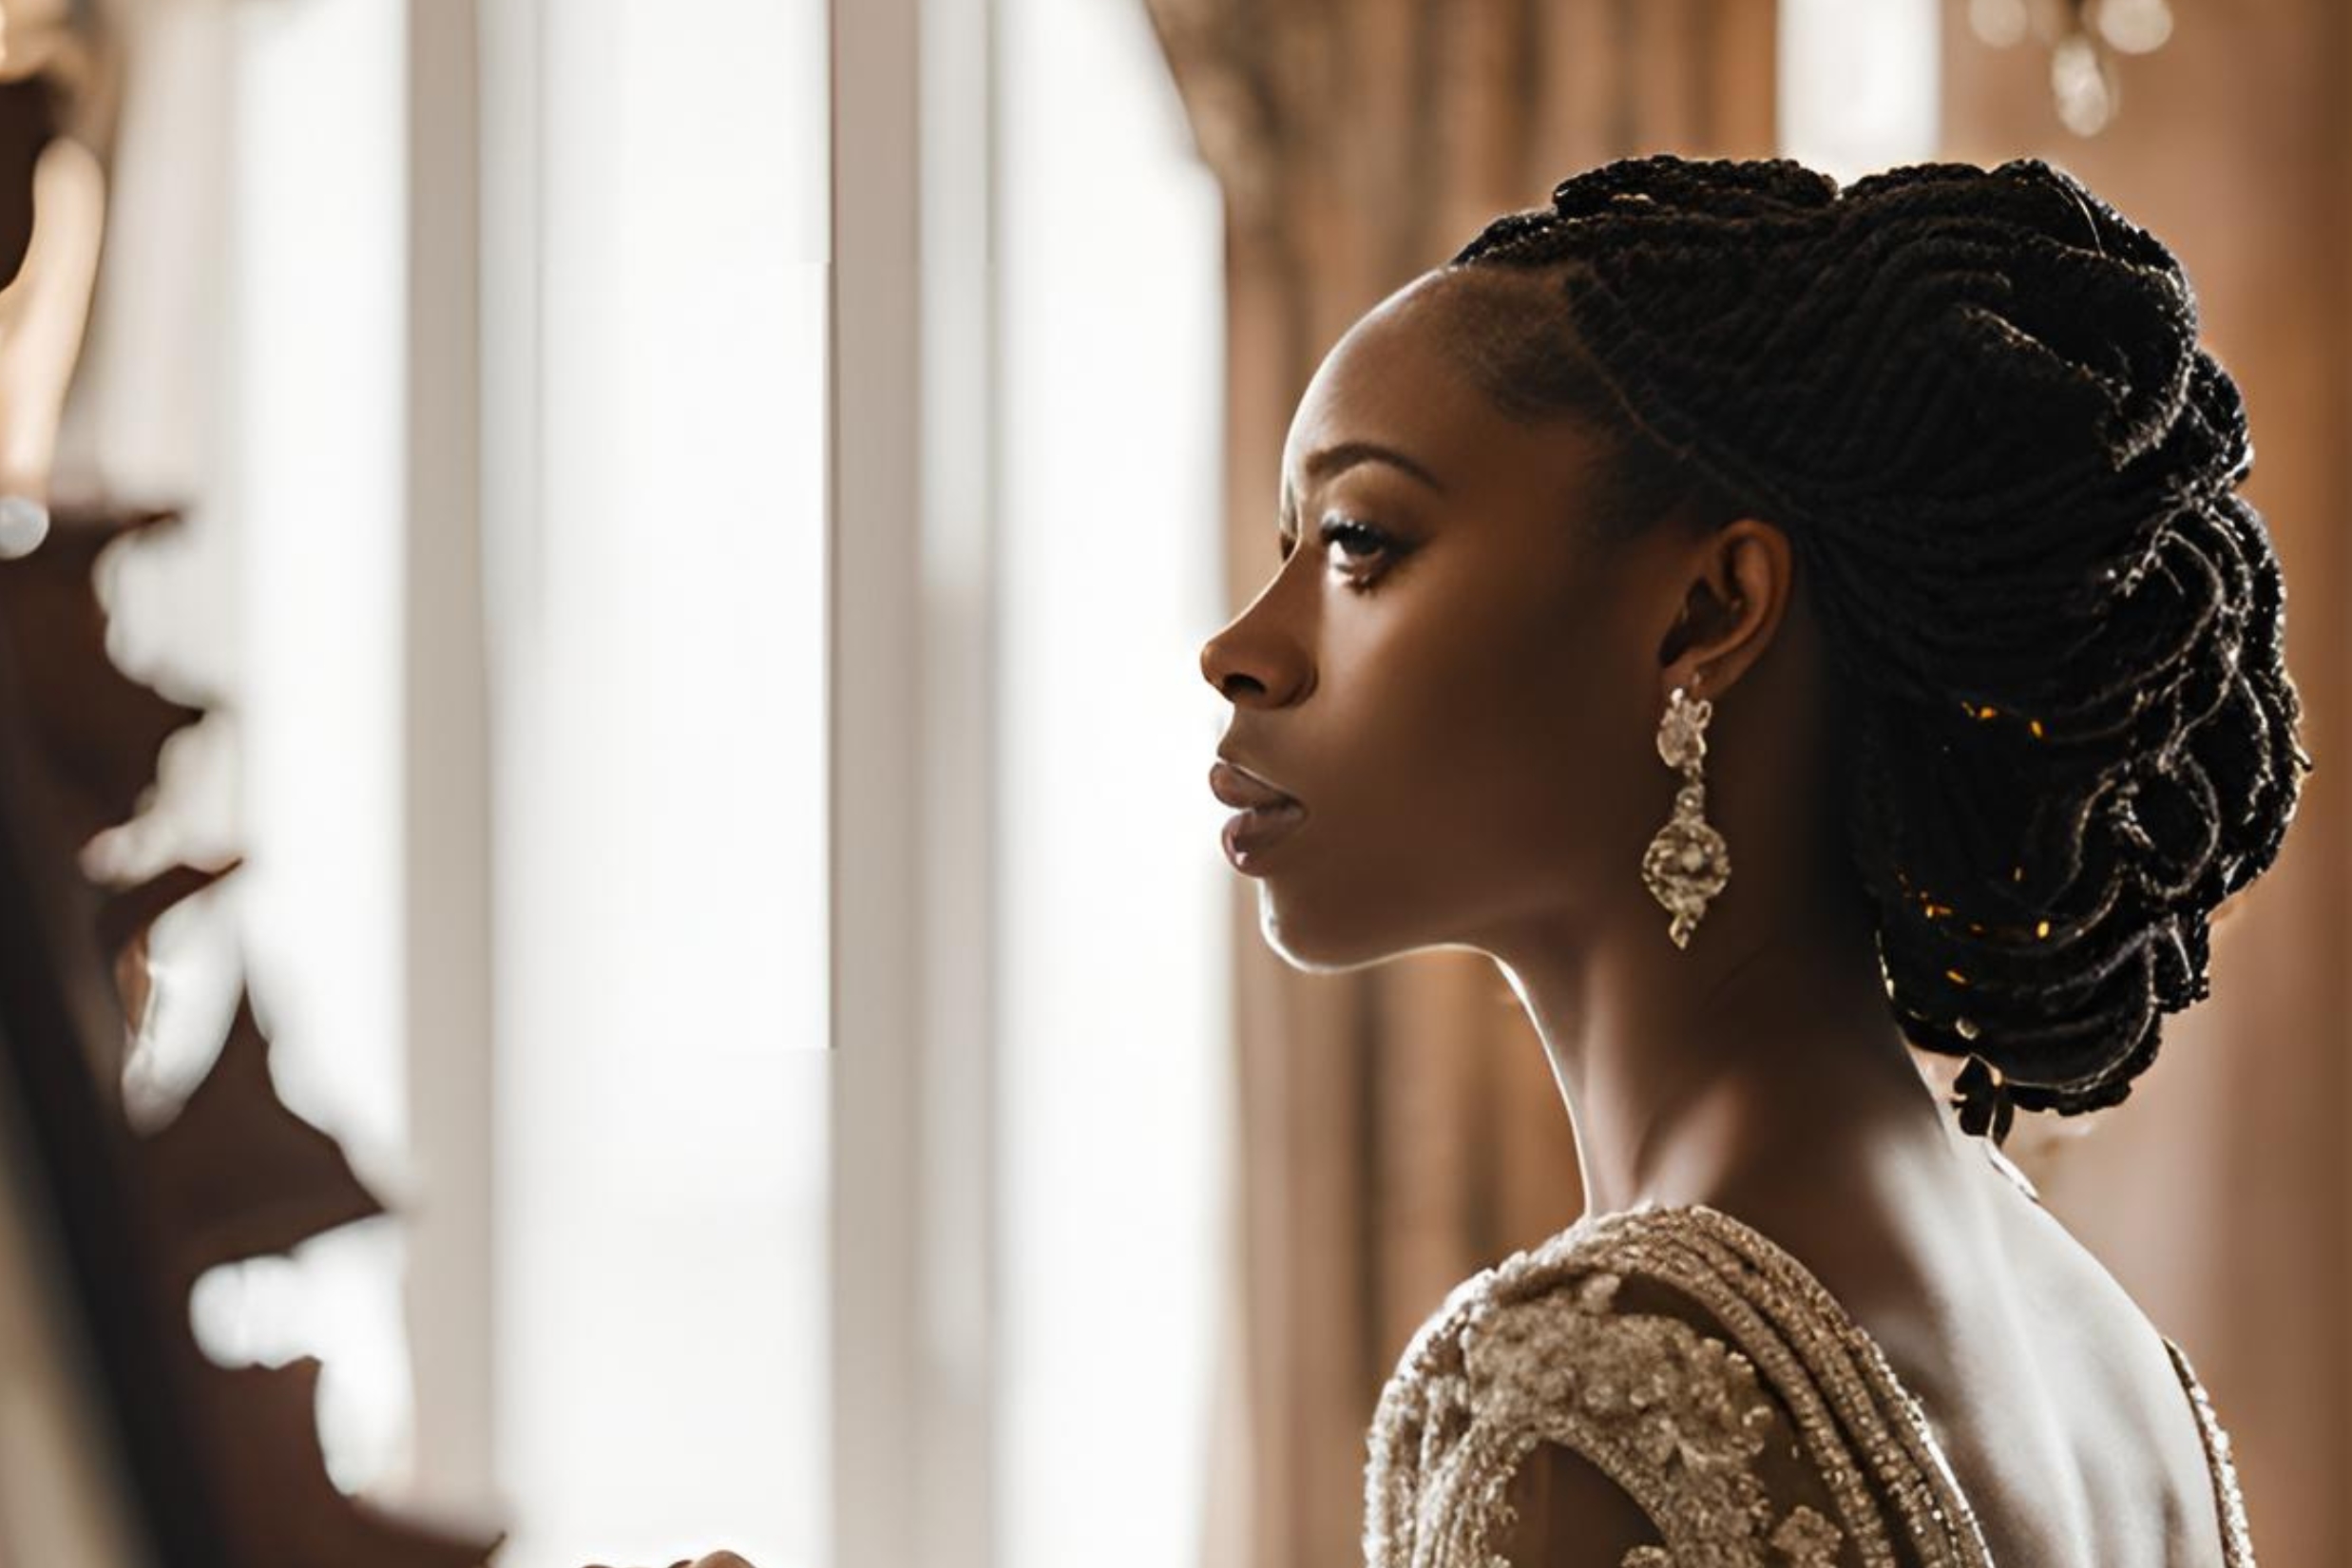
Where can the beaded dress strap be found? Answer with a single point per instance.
(1893, 1433)
(2237, 1540)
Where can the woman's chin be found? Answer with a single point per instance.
(1314, 941)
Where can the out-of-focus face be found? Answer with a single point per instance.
(31, 33)
(50, 268)
(1459, 685)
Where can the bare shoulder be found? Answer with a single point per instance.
(2049, 1390)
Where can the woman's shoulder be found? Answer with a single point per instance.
(1677, 1362)
(1638, 1281)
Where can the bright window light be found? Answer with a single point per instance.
(1114, 1024)
(656, 622)
(1859, 88)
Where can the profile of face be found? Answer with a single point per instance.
(1451, 669)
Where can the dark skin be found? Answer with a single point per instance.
(1465, 699)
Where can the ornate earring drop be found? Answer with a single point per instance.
(1688, 862)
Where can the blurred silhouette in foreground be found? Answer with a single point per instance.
(224, 1464)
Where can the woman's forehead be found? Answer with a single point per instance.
(1404, 377)
(1389, 380)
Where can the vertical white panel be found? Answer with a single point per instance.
(246, 360)
(1859, 83)
(1114, 1008)
(315, 211)
(658, 618)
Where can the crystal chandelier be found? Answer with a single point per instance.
(2084, 38)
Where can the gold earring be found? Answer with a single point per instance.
(1688, 862)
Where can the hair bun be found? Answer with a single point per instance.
(1977, 400)
(2079, 306)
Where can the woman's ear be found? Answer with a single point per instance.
(1737, 580)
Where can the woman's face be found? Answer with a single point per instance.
(1456, 681)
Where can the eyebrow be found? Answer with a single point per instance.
(1338, 458)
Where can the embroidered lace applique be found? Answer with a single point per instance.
(1546, 1348)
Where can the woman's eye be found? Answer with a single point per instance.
(1364, 553)
(1360, 551)
(1355, 541)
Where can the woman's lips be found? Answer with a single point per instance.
(1249, 834)
(1243, 790)
(1264, 815)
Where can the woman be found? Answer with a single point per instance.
(1900, 524)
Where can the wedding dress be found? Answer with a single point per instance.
(1552, 1345)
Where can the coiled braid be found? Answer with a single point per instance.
(1976, 400)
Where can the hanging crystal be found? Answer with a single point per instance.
(2084, 37)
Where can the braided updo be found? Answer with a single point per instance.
(1976, 401)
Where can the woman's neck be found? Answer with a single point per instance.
(1752, 1062)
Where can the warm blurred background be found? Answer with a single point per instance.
(697, 520)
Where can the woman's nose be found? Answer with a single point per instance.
(1253, 663)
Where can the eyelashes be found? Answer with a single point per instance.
(1367, 551)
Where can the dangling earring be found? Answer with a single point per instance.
(1687, 864)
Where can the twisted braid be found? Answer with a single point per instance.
(1976, 400)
